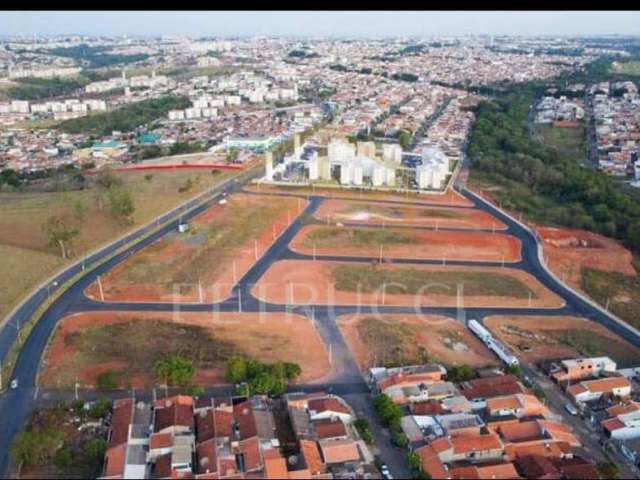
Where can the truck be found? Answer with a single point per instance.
(479, 330)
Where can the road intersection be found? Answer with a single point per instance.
(345, 377)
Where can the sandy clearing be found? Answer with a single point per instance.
(430, 245)
(311, 283)
(377, 213)
(267, 336)
(230, 266)
(543, 346)
(570, 250)
(446, 340)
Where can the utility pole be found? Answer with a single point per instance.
(200, 290)
(239, 301)
(76, 389)
(100, 288)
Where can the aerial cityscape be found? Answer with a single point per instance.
(314, 245)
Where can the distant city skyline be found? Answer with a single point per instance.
(352, 24)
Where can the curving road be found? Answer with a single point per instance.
(345, 377)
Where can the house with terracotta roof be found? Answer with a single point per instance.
(489, 387)
(330, 406)
(581, 368)
(623, 422)
(518, 405)
(339, 451)
(493, 471)
(411, 383)
(588, 390)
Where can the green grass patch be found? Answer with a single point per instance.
(411, 281)
(591, 344)
(622, 292)
(566, 141)
(341, 236)
(626, 68)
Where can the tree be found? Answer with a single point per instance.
(414, 461)
(404, 138)
(60, 232)
(175, 370)
(460, 374)
(100, 409)
(121, 204)
(388, 412)
(34, 447)
(79, 211)
(108, 380)
(236, 369)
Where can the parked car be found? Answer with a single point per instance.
(14, 383)
(571, 409)
(385, 472)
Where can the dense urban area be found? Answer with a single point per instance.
(283, 258)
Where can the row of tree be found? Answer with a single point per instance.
(255, 377)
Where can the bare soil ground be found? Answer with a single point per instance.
(200, 263)
(405, 243)
(347, 211)
(402, 339)
(544, 338)
(448, 198)
(337, 283)
(569, 251)
(85, 345)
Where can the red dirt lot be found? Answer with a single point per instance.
(311, 282)
(267, 336)
(377, 213)
(448, 198)
(471, 246)
(569, 250)
(156, 269)
(543, 338)
(445, 340)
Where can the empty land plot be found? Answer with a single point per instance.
(371, 213)
(29, 259)
(570, 251)
(408, 339)
(206, 261)
(447, 198)
(406, 243)
(340, 283)
(538, 338)
(86, 345)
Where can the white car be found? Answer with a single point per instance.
(385, 472)
(571, 409)
(14, 384)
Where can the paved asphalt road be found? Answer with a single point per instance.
(344, 379)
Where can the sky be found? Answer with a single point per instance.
(326, 23)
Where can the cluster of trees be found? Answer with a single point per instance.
(301, 53)
(32, 88)
(42, 443)
(125, 118)
(362, 425)
(256, 377)
(542, 182)
(181, 148)
(462, 373)
(62, 229)
(405, 77)
(175, 370)
(96, 57)
(390, 415)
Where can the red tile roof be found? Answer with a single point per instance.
(329, 428)
(431, 463)
(120, 421)
(275, 466)
(114, 460)
(174, 411)
(160, 440)
(243, 414)
(312, 458)
(207, 461)
(320, 405)
(474, 443)
(250, 448)
(339, 451)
